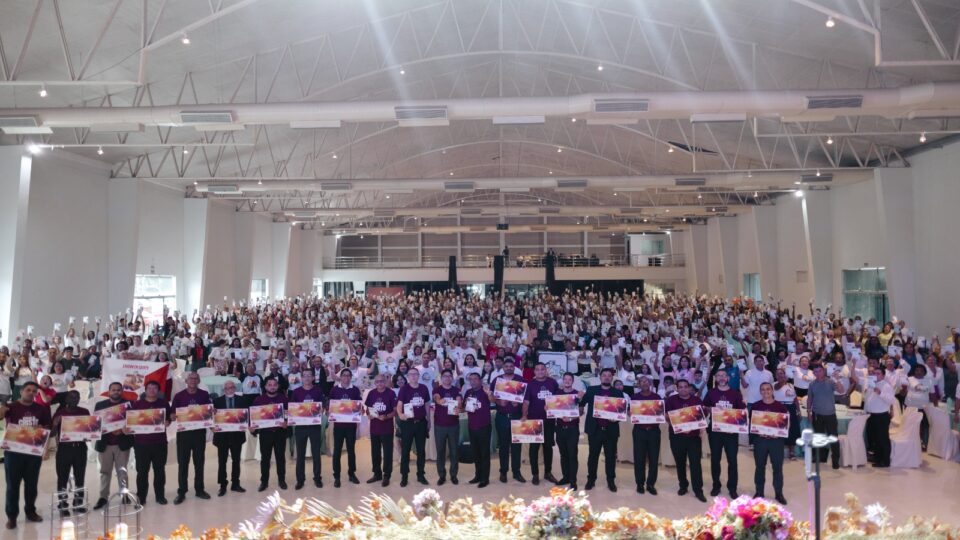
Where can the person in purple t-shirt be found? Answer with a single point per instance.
(646, 442)
(506, 412)
(412, 401)
(535, 408)
(190, 443)
(308, 393)
(722, 396)
(272, 440)
(344, 432)
(22, 467)
(686, 446)
(381, 403)
(150, 449)
(568, 437)
(446, 426)
(477, 404)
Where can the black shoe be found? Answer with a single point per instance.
(179, 498)
(79, 507)
(483, 484)
(550, 478)
(353, 479)
(386, 481)
(203, 495)
(11, 524)
(503, 478)
(336, 482)
(573, 487)
(734, 495)
(612, 487)
(238, 489)
(375, 479)
(590, 484)
(423, 480)
(474, 481)
(640, 490)
(519, 478)
(441, 481)
(881, 465)
(715, 491)
(161, 500)
(318, 482)
(64, 513)
(222, 491)
(282, 484)
(535, 481)
(681, 492)
(781, 499)
(651, 490)
(836, 466)
(453, 480)
(403, 481)
(263, 486)
(758, 496)
(34, 517)
(101, 502)
(562, 481)
(298, 486)
(700, 497)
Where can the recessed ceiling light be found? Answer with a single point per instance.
(573, 119)
(451, 173)
(185, 151)
(830, 22)
(668, 210)
(829, 139)
(559, 150)
(818, 172)
(185, 40)
(334, 156)
(798, 193)
(699, 196)
(600, 67)
(444, 151)
(756, 193)
(670, 148)
(195, 182)
(43, 91)
(260, 182)
(99, 150)
(388, 196)
(551, 172)
(403, 71)
(923, 137)
(797, 183)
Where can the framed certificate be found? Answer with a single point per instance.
(29, 440)
(194, 417)
(230, 420)
(266, 416)
(146, 421)
(610, 408)
(114, 418)
(526, 431)
(345, 410)
(771, 424)
(647, 411)
(688, 419)
(512, 390)
(307, 413)
(562, 406)
(80, 428)
(729, 420)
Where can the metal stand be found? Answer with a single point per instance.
(811, 441)
(121, 517)
(68, 513)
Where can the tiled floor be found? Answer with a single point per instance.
(930, 490)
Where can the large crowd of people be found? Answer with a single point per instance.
(437, 356)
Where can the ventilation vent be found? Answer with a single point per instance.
(631, 210)
(814, 179)
(666, 227)
(303, 214)
(471, 211)
(206, 117)
(835, 102)
(223, 188)
(538, 228)
(571, 183)
(384, 212)
(458, 186)
(18, 122)
(478, 229)
(687, 182)
(421, 115)
(717, 209)
(336, 186)
(614, 105)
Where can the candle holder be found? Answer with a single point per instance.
(121, 517)
(69, 518)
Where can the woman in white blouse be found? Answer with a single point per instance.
(919, 387)
(802, 376)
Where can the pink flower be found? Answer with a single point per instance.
(728, 532)
(720, 506)
(748, 515)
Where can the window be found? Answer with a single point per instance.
(751, 286)
(865, 294)
(258, 290)
(318, 286)
(153, 293)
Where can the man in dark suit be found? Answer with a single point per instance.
(230, 443)
(602, 434)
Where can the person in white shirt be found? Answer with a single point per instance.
(751, 381)
(919, 387)
(802, 375)
(877, 399)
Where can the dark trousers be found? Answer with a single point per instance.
(21, 468)
(480, 444)
(827, 424)
(71, 457)
(150, 456)
(447, 439)
(233, 450)
(687, 449)
(549, 430)
(190, 445)
(724, 443)
(762, 450)
(568, 437)
(878, 437)
(646, 455)
(274, 441)
(605, 439)
(381, 450)
(509, 452)
(346, 434)
(413, 431)
(301, 436)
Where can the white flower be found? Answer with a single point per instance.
(425, 501)
(877, 514)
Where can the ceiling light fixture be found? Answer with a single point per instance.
(451, 173)
(185, 151)
(756, 194)
(573, 119)
(388, 196)
(43, 91)
(670, 148)
(798, 193)
(923, 137)
(403, 71)
(699, 196)
(551, 172)
(195, 182)
(34, 149)
(668, 210)
(830, 22)
(260, 182)
(334, 156)
(818, 173)
(797, 183)
(185, 40)
(829, 139)
(600, 67)
(749, 174)
(559, 150)
(614, 193)
(99, 150)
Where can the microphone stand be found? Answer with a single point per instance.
(811, 441)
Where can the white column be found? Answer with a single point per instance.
(280, 257)
(195, 212)
(123, 238)
(765, 224)
(818, 227)
(243, 238)
(698, 260)
(15, 167)
(729, 255)
(895, 210)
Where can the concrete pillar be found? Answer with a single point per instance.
(15, 171)
(765, 223)
(195, 214)
(280, 257)
(895, 209)
(818, 228)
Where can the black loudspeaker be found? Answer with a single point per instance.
(498, 274)
(452, 274)
(550, 273)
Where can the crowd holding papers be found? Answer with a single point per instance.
(526, 431)
(193, 417)
(770, 424)
(225, 420)
(688, 419)
(562, 406)
(80, 428)
(30, 440)
(610, 408)
(266, 416)
(512, 390)
(647, 411)
(114, 418)
(144, 421)
(729, 420)
(345, 410)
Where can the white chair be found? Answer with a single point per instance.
(905, 442)
(853, 451)
(856, 400)
(897, 415)
(942, 442)
(206, 372)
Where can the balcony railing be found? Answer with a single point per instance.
(523, 261)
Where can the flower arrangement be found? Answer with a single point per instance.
(561, 515)
(748, 518)
(426, 503)
(854, 522)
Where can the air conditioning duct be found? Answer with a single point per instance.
(303, 214)
(383, 213)
(471, 211)
(631, 211)
(518, 120)
(549, 210)
(223, 188)
(620, 105)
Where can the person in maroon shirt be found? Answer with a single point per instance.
(534, 408)
(602, 434)
(308, 393)
(722, 396)
(345, 432)
(477, 403)
(446, 427)
(507, 411)
(766, 446)
(568, 437)
(71, 456)
(381, 405)
(21, 468)
(413, 428)
(272, 440)
(150, 449)
(190, 444)
(686, 446)
(646, 442)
